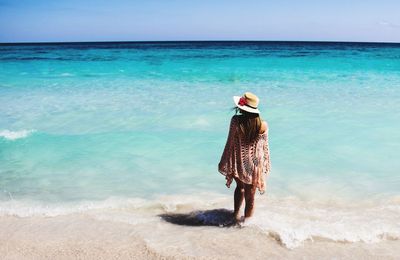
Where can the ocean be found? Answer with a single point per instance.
(127, 132)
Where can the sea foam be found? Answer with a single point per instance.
(289, 221)
(13, 135)
(293, 222)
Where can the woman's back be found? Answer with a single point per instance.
(243, 158)
(246, 155)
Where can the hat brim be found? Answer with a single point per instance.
(245, 108)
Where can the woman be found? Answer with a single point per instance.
(246, 155)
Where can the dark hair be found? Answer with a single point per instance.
(249, 123)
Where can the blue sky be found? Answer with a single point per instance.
(123, 20)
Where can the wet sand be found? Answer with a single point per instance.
(83, 237)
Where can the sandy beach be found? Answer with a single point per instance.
(82, 237)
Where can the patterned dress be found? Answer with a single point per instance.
(249, 162)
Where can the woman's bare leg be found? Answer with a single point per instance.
(249, 192)
(239, 196)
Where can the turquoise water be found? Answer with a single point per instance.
(87, 122)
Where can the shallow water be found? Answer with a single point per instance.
(92, 124)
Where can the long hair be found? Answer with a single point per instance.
(250, 124)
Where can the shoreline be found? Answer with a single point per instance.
(112, 152)
(290, 221)
(81, 236)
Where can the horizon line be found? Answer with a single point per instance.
(182, 41)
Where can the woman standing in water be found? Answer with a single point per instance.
(246, 155)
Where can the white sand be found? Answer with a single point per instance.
(83, 237)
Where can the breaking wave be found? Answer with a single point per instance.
(289, 221)
(13, 135)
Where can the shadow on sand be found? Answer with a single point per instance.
(214, 217)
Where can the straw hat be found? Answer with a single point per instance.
(248, 102)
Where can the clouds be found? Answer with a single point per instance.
(389, 25)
